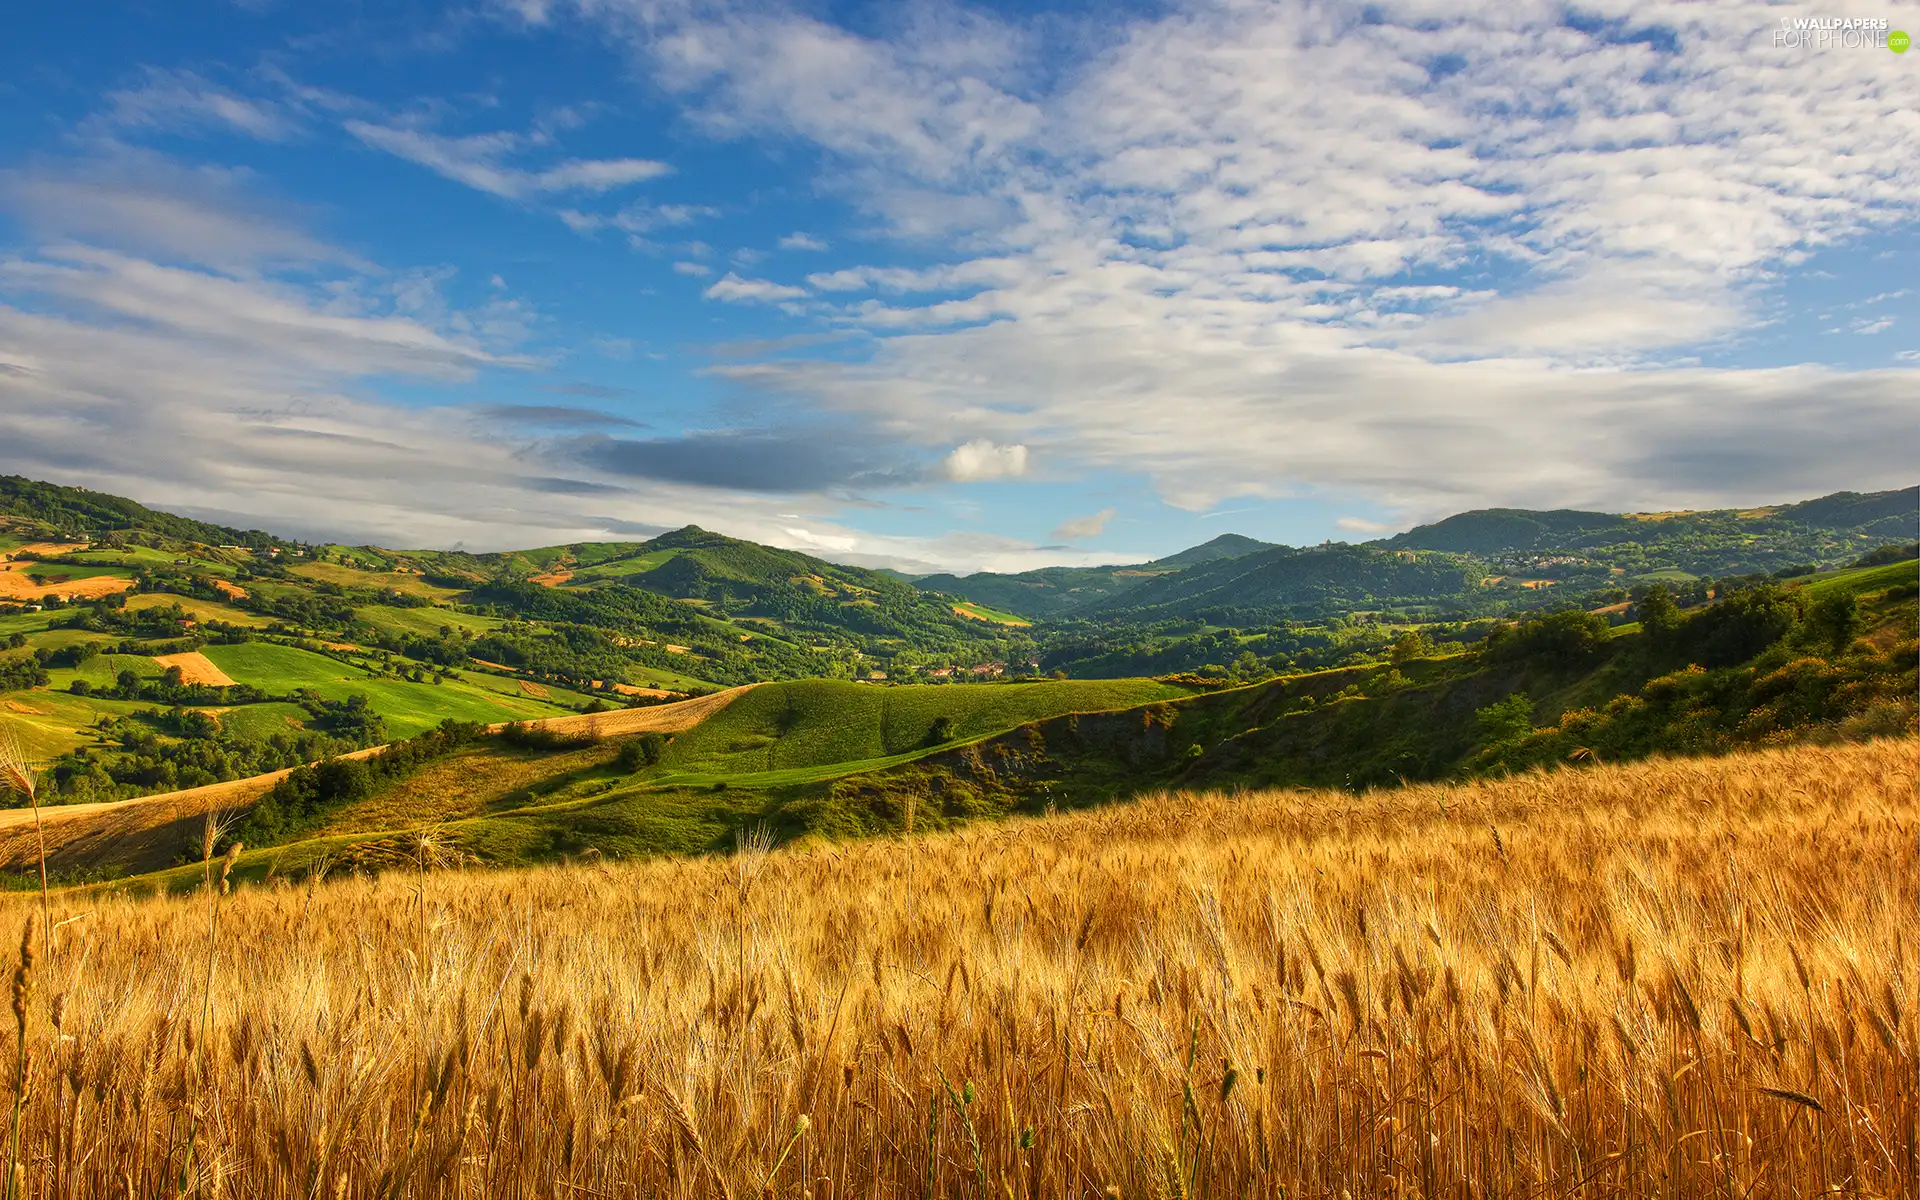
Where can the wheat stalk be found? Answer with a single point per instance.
(17, 775)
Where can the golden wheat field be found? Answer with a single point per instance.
(1686, 978)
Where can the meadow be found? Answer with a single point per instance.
(1670, 978)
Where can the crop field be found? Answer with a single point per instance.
(424, 621)
(200, 610)
(49, 723)
(17, 581)
(194, 668)
(406, 584)
(1675, 978)
(981, 612)
(409, 708)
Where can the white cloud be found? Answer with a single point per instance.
(1077, 529)
(981, 460)
(1245, 249)
(733, 289)
(1362, 525)
(147, 203)
(802, 241)
(691, 268)
(181, 101)
(476, 161)
(1877, 325)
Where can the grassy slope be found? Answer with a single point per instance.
(424, 621)
(409, 708)
(411, 585)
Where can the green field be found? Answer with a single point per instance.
(102, 671)
(619, 568)
(424, 622)
(409, 708)
(261, 721)
(820, 722)
(349, 577)
(1863, 580)
(203, 611)
(995, 616)
(51, 723)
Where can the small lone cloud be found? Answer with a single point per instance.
(1877, 325)
(802, 241)
(1362, 525)
(692, 268)
(981, 459)
(734, 290)
(1079, 529)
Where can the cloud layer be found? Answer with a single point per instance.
(1435, 258)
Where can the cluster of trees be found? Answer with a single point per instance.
(18, 674)
(195, 753)
(110, 614)
(301, 800)
(1761, 666)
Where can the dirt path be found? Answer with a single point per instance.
(163, 819)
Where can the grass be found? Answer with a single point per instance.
(200, 610)
(27, 622)
(981, 612)
(261, 721)
(1672, 978)
(814, 723)
(409, 708)
(425, 622)
(50, 723)
(1862, 580)
(410, 585)
(623, 567)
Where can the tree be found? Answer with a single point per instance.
(1409, 646)
(1832, 621)
(1505, 721)
(1658, 614)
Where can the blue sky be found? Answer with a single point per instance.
(950, 286)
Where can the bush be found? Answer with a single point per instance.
(643, 751)
(1568, 638)
(1505, 721)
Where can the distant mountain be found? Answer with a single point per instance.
(1490, 531)
(1713, 542)
(1052, 591)
(725, 576)
(1227, 545)
(1893, 515)
(1286, 582)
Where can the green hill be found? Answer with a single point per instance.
(85, 514)
(1284, 582)
(1057, 591)
(1827, 531)
(1490, 531)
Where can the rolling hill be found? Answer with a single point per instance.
(1827, 531)
(1828, 658)
(1054, 591)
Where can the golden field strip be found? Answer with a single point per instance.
(1673, 979)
